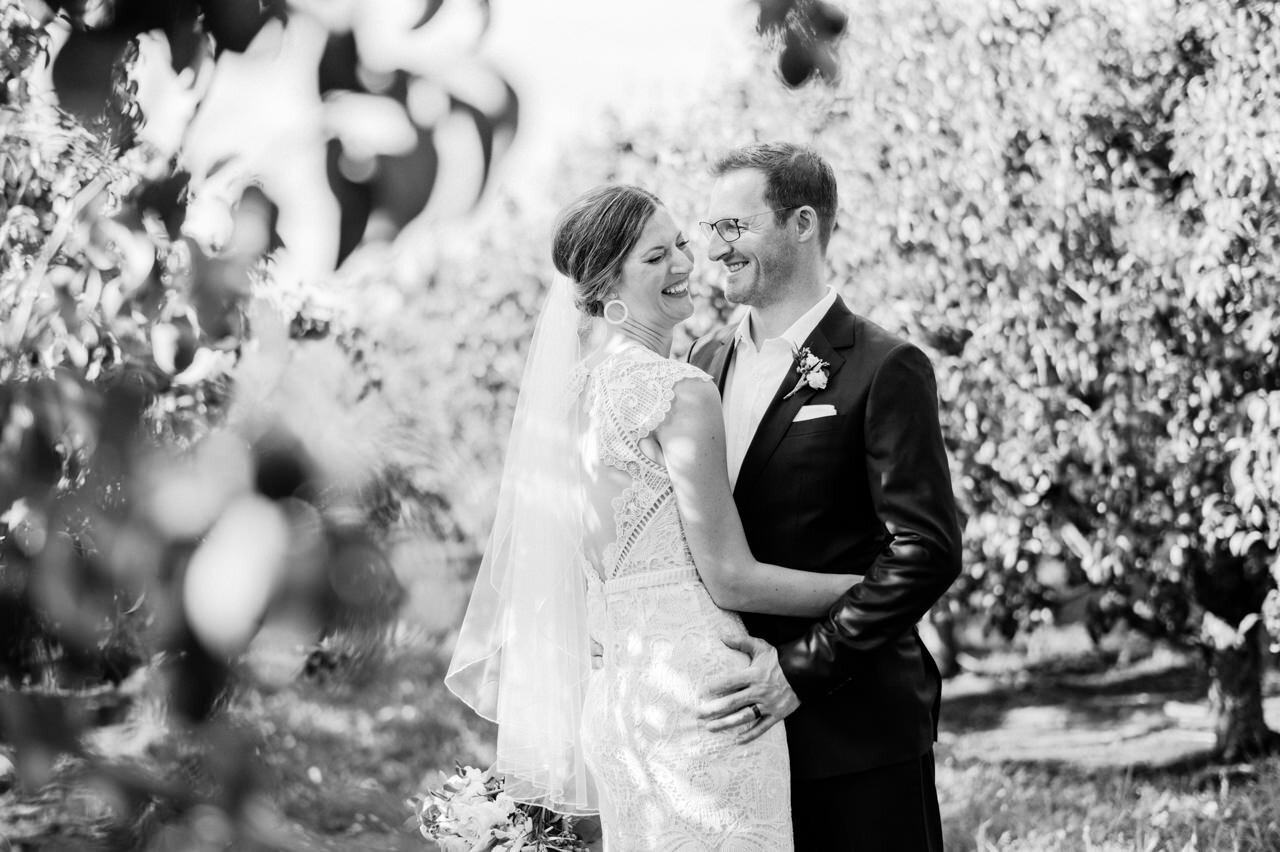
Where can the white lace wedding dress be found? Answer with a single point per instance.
(665, 782)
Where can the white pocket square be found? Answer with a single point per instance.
(813, 412)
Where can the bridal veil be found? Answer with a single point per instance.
(523, 656)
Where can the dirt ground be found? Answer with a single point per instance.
(1148, 714)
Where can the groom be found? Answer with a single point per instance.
(839, 468)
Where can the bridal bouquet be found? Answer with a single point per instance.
(471, 813)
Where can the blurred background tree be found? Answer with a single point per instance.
(160, 500)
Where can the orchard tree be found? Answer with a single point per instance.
(1226, 145)
(1077, 211)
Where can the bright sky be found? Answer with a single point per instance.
(572, 59)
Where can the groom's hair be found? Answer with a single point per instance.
(793, 176)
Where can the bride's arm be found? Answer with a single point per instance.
(693, 446)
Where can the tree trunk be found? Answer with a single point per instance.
(1235, 699)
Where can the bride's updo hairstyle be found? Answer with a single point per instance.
(595, 234)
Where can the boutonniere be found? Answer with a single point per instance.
(812, 370)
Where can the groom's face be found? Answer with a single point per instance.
(762, 253)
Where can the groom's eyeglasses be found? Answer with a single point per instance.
(732, 228)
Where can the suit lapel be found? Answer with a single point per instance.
(834, 332)
(718, 369)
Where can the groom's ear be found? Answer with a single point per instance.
(806, 223)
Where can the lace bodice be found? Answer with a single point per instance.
(627, 396)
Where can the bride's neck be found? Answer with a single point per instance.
(644, 334)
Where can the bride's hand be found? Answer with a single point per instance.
(758, 697)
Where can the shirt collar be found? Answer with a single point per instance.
(799, 331)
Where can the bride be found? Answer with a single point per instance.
(616, 524)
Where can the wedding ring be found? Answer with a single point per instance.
(755, 709)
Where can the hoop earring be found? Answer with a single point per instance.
(626, 314)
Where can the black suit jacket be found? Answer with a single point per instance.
(866, 491)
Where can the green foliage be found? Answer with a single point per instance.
(378, 133)
(113, 331)
(808, 32)
(147, 513)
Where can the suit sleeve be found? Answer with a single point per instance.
(910, 486)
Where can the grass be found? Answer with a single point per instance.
(344, 755)
(336, 757)
(1060, 747)
(1030, 808)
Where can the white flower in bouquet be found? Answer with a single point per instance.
(479, 817)
(469, 782)
(471, 813)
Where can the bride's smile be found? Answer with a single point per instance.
(654, 278)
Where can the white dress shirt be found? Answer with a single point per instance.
(755, 374)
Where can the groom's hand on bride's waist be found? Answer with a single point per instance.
(753, 699)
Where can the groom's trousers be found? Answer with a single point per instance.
(887, 809)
